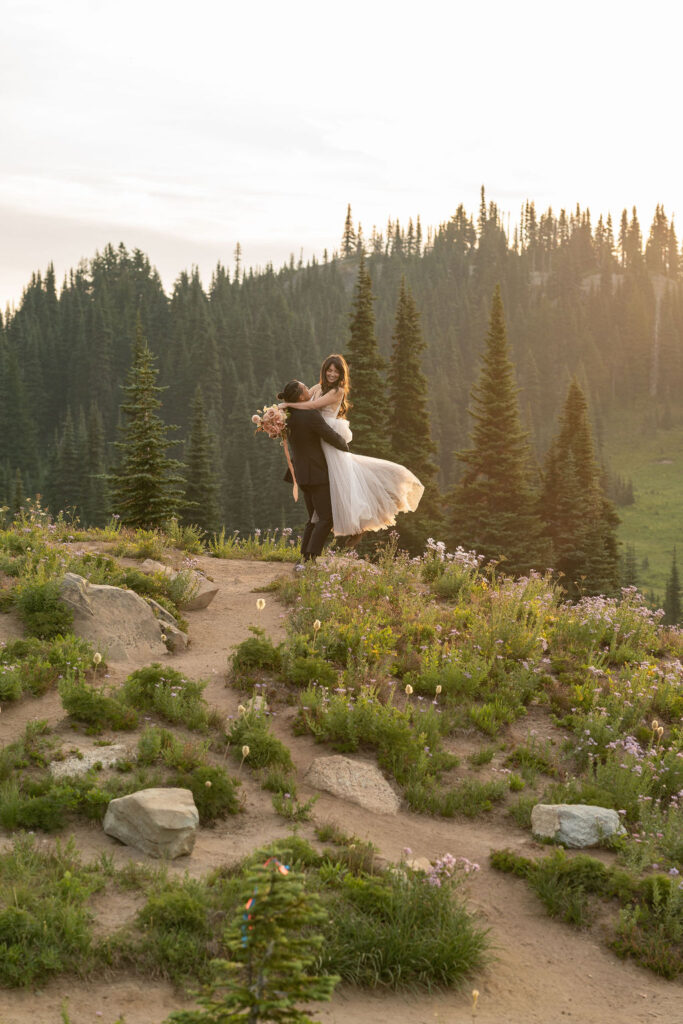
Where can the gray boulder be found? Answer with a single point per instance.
(159, 822)
(358, 781)
(175, 640)
(575, 825)
(117, 622)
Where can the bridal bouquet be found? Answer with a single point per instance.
(271, 419)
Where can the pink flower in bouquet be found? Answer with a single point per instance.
(272, 421)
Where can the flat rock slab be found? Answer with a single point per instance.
(79, 764)
(358, 781)
(575, 825)
(159, 822)
(118, 623)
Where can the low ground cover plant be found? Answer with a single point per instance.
(647, 921)
(424, 937)
(33, 666)
(483, 647)
(269, 546)
(169, 694)
(45, 920)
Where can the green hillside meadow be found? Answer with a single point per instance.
(654, 523)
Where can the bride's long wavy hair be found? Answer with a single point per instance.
(344, 383)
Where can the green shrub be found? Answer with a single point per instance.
(277, 780)
(482, 756)
(189, 537)
(96, 708)
(45, 919)
(41, 609)
(287, 806)
(31, 665)
(305, 671)
(520, 811)
(214, 792)
(10, 683)
(169, 694)
(265, 750)
(256, 652)
(511, 863)
(160, 745)
(398, 931)
(469, 798)
(176, 927)
(40, 805)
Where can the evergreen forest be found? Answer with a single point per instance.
(593, 319)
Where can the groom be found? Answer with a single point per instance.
(305, 428)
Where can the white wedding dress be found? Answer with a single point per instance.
(366, 493)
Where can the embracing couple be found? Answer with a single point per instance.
(344, 492)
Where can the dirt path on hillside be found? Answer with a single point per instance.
(542, 972)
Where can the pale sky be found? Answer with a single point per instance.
(183, 128)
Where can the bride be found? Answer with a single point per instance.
(366, 493)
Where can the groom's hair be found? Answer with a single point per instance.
(291, 391)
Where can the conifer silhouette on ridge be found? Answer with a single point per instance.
(493, 507)
(146, 485)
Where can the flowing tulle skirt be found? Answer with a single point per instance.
(367, 493)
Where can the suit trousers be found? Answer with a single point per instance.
(317, 498)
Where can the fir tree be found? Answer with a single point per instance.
(349, 241)
(146, 483)
(97, 487)
(273, 947)
(367, 370)
(201, 487)
(629, 570)
(408, 422)
(70, 468)
(493, 506)
(580, 520)
(672, 601)
(17, 493)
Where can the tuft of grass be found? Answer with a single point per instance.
(398, 932)
(482, 756)
(265, 750)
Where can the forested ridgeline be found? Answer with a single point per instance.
(581, 300)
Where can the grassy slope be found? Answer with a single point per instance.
(654, 523)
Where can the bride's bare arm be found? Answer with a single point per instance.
(331, 398)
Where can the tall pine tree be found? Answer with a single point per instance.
(673, 609)
(368, 373)
(408, 421)
(146, 484)
(580, 520)
(201, 487)
(493, 505)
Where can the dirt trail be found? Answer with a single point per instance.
(542, 972)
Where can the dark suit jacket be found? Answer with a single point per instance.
(304, 431)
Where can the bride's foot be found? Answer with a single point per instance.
(353, 540)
